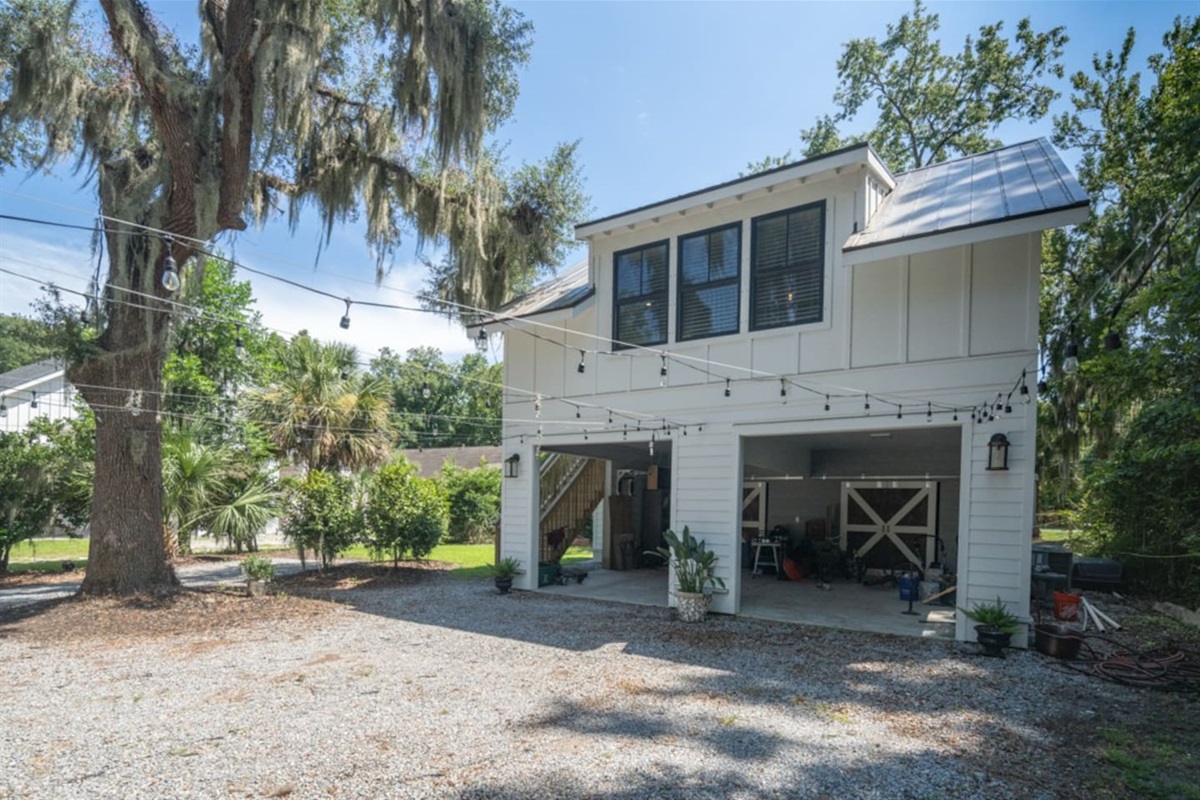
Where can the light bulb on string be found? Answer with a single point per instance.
(728, 391)
(426, 392)
(1071, 360)
(826, 402)
(482, 337)
(867, 403)
(537, 407)
(1024, 390)
(956, 415)
(652, 445)
(624, 433)
(344, 322)
(33, 403)
(900, 411)
(929, 412)
(662, 372)
(3, 408)
(1008, 404)
(577, 412)
(170, 271)
(582, 364)
(783, 389)
(610, 416)
(239, 344)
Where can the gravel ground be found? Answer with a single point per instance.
(421, 685)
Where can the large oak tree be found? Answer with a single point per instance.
(375, 109)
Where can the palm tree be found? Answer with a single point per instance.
(194, 474)
(322, 412)
(243, 513)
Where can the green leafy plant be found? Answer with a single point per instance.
(404, 513)
(258, 568)
(993, 615)
(505, 568)
(693, 563)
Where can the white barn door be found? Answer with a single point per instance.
(888, 511)
(754, 510)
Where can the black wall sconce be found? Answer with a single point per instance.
(998, 452)
(512, 466)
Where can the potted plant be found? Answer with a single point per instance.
(503, 571)
(995, 625)
(259, 570)
(695, 567)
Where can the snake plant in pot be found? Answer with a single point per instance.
(694, 567)
(995, 625)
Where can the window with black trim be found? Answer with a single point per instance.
(640, 302)
(787, 267)
(709, 282)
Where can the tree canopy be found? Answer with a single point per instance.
(933, 105)
(376, 110)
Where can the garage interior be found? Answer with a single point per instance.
(811, 504)
(842, 526)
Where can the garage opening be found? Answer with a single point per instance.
(845, 529)
(618, 519)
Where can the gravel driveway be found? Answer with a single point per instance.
(437, 687)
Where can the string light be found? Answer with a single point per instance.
(582, 365)
(929, 412)
(826, 402)
(662, 371)
(33, 403)
(134, 402)
(3, 408)
(537, 407)
(1008, 404)
(344, 323)
(1071, 361)
(482, 337)
(170, 272)
(867, 403)
(426, 392)
(239, 346)
(652, 443)
(899, 412)
(728, 391)
(783, 389)
(1024, 391)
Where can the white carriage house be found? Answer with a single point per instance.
(802, 355)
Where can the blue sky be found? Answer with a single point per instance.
(666, 97)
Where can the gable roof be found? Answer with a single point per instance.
(430, 459)
(30, 374)
(1010, 183)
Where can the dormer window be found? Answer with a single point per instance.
(640, 304)
(787, 267)
(709, 282)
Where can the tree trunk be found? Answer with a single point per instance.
(126, 553)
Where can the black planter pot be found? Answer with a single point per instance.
(992, 640)
(504, 584)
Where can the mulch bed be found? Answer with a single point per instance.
(184, 613)
(360, 575)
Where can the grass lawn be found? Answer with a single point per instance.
(470, 560)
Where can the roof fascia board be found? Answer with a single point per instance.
(875, 163)
(835, 163)
(36, 382)
(968, 235)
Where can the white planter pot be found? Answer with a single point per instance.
(692, 607)
(256, 588)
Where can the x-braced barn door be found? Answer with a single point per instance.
(754, 509)
(891, 518)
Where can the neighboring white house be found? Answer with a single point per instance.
(34, 390)
(816, 336)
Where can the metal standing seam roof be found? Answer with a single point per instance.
(29, 373)
(1021, 180)
(567, 289)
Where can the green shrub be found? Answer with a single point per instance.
(322, 515)
(258, 568)
(474, 497)
(404, 513)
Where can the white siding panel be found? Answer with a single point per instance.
(877, 327)
(936, 315)
(1000, 301)
(705, 492)
(679, 374)
(612, 374)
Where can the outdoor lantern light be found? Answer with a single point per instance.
(512, 465)
(998, 452)
(482, 337)
(1071, 361)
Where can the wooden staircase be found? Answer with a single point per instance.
(571, 487)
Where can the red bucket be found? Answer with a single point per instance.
(1066, 606)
